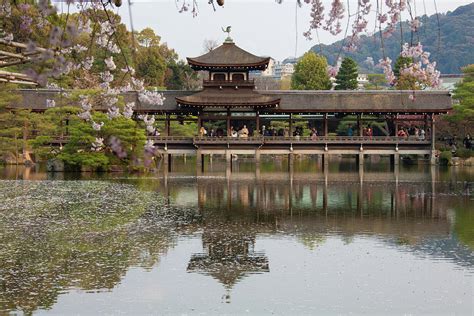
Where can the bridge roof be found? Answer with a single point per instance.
(376, 101)
(380, 101)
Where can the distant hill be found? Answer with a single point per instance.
(452, 50)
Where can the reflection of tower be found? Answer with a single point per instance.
(228, 255)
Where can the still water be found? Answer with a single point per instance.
(263, 241)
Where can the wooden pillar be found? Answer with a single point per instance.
(291, 124)
(433, 136)
(426, 124)
(199, 123)
(257, 124)
(395, 120)
(359, 125)
(167, 124)
(325, 124)
(170, 161)
(228, 122)
(433, 141)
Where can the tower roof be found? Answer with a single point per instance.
(228, 56)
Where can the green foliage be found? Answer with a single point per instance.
(376, 82)
(445, 158)
(78, 152)
(346, 78)
(464, 111)
(464, 153)
(13, 124)
(185, 129)
(311, 73)
(404, 82)
(401, 62)
(452, 49)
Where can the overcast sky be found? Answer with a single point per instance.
(262, 27)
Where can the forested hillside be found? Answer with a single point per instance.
(451, 45)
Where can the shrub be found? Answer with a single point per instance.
(445, 158)
(464, 153)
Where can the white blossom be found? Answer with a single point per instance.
(109, 62)
(149, 145)
(88, 62)
(86, 115)
(151, 98)
(113, 112)
(128, 110)
(98, 144)
(97, 126)
(85, 104)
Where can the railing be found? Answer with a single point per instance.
(318, 139)
(206, 140)
(249, 82)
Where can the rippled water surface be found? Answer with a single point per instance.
(257, 241)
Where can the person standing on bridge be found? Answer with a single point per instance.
(244, 132)
(350, 132)
(202, 131)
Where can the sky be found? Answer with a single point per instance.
(262, 27)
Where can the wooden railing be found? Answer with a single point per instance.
(205, 140)
(250, 82)
(318, 139)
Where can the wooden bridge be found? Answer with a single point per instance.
(357, 146)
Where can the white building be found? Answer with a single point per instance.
(269, 72)
(362, 80)
(284, 70)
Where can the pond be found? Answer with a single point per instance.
(257, 241)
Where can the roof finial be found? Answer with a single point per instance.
(227, 30)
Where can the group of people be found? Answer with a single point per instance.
(417, 132)
(452, 142)
(243, 132)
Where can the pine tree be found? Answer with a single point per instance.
(463, 114)
(346, 78)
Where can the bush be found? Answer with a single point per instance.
(464, 153)
(445, 158)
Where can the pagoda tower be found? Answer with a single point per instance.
(228, 88)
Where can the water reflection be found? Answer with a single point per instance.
(56, 236)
